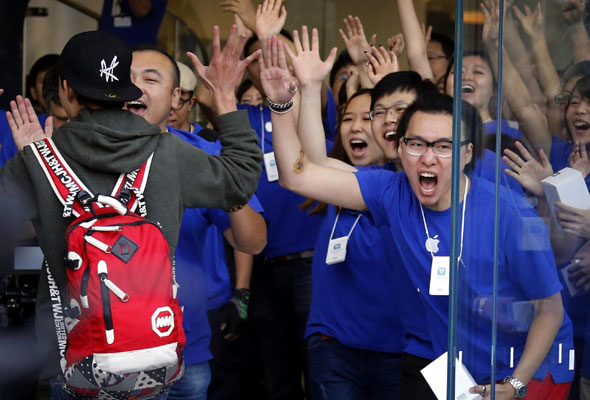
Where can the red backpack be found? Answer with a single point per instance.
(122, 317)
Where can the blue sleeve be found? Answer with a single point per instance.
(7, 146)
(331, 120)
(219, 218)
(528, 251)
(255, 204)
(376, 189)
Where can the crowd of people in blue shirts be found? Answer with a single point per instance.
(333, 281)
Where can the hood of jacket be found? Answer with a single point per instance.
(110, 140)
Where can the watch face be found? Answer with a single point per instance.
(520, 393)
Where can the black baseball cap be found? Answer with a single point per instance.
(97, 65)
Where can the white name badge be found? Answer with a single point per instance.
(122, 22)
(439, 276)
(337, 250)
(270, 164)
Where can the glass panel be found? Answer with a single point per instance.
(523, 278)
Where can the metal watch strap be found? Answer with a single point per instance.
(520, 388)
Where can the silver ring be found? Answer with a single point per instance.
(292, 90)
(484, 391)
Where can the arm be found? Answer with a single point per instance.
(414, 37)
(296, 172)
(520, 56)
(243, 9)
(573, 12)
(357, 46)
(244, 262)
(234, 175)
(311, 71)
(533, 25)
(247, 231)
(514, 89)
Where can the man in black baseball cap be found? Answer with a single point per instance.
(95, 67)
(103, 140)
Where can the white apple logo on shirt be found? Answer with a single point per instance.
(432, 244)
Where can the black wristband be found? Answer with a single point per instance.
(243, 295)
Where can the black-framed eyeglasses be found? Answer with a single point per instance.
(441, 148)
(562, 98)
(381, 112)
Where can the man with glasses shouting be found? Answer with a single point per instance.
(534, 335)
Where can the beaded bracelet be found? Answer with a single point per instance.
(234, 209)
(280, 108)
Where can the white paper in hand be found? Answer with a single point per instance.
(435, 374)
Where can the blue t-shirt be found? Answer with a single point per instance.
(490, 128)
(132, 30)
(485, 168)
(290, 229)
(526, 270)
(352, 301)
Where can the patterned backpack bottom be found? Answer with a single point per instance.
(86, 381)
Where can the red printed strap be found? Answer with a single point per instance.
(135, 182)
(64, 182)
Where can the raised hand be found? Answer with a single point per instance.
(24, 123)
(426, 33)
(491, 25)
(354, 39)
(579, 159)
(381, 63)
(309, 68)
(270, 18)
(225, 72)
(243, 9)
(528, 172)
(532, 22)
(277, 82)
(573, 11)
(396, 44)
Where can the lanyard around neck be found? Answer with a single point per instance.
(462, 219)
(351, 229)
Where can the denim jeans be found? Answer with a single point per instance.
(280, 306)
(193, 384)
(343, 373)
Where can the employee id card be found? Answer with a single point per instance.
(439, 276)
(270, 164)
(337, 250)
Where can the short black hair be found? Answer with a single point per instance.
(583, 88)
(446, 43)
(51, 87)
(442, 104)
(343, 60)
(402, 81)
(243, 88)
(253, 39)
(175, 70)
(41, 65)
(577, 69)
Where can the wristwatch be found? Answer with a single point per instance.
(520, 388)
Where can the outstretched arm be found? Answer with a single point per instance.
(414, 37)
(533, 25)
(297, 173)
(515, 91)
(310, 72)
(574, 12)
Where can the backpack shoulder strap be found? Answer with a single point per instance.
(63, 180)
(135, 182)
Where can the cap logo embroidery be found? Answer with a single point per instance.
(108, 71)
